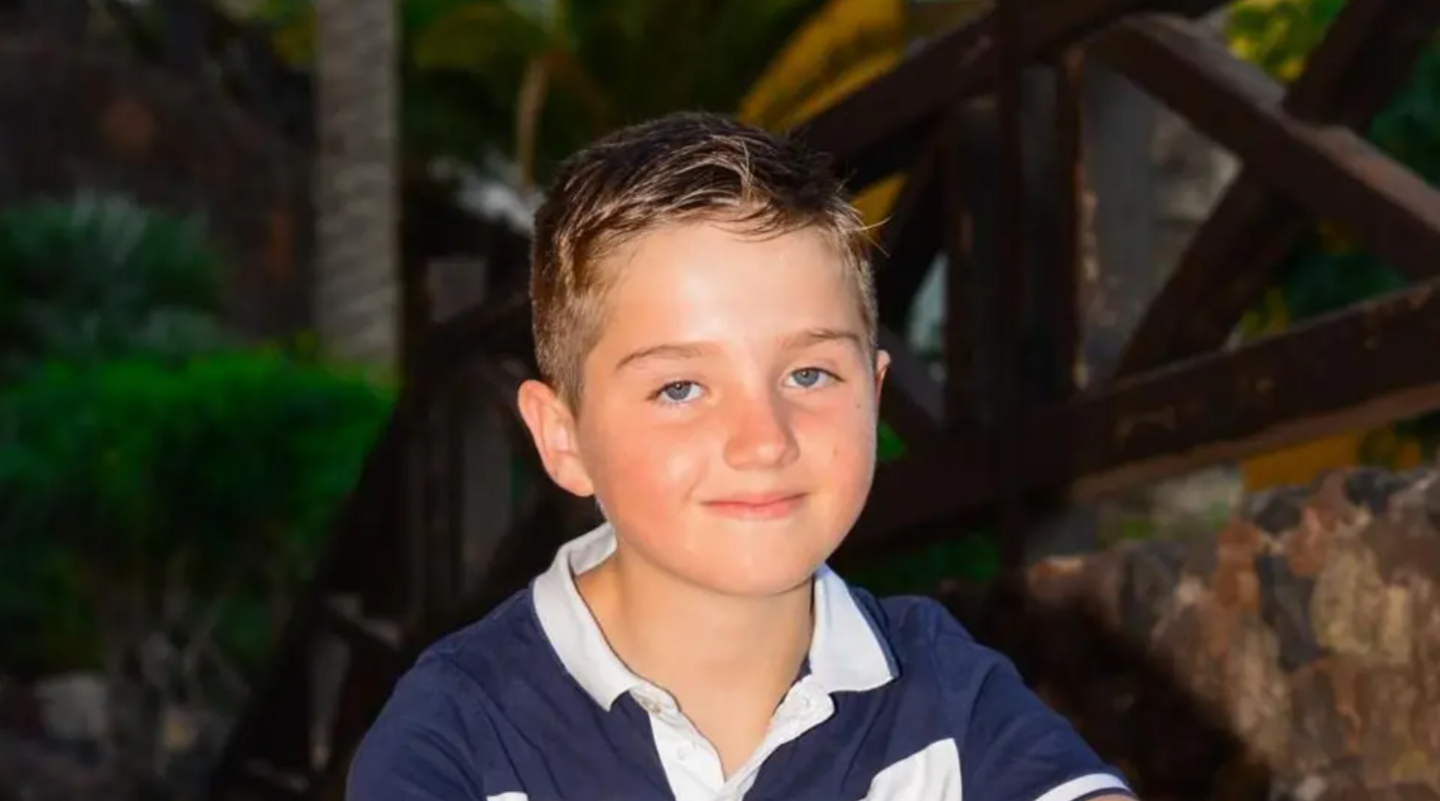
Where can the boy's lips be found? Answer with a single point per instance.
(756, 505)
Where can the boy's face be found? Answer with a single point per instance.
(727, 425)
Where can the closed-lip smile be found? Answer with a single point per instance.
(756, 505)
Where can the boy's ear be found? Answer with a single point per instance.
(552, 427)
(882, 364)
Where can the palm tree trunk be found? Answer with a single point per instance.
(357, 297)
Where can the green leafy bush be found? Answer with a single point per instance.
(157, 486)
(100, 276)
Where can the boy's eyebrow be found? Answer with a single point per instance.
(671, 350)
(816, 336)
(696, 350)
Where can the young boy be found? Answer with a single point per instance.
(705, 327)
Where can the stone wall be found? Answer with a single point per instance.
(1295, 653)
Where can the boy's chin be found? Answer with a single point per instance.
(744, 561)
(756, 583)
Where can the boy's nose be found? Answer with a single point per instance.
(760, 435)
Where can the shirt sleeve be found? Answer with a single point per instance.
(1012, 746)
(421, 747)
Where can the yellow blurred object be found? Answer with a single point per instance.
(1300, 464)
(878, 199)
(1336, 240)
(843, 47)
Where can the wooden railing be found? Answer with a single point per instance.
(1178, 401)
(426, 541)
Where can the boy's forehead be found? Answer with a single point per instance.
(716, 251)
(683, 290)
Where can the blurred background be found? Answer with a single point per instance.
(262, 316)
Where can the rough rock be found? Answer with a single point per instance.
(33, 771)
(74, 707)
(1294, 653)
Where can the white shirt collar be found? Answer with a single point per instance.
(846, 653)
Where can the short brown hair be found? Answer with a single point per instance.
(678, 168)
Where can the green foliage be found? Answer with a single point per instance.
(889, 446)
(1278, 35)
(101, 276)
(117, 474)
(145, 461)
(607, 64)
(975, 558)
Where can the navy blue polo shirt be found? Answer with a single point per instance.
(897, 703)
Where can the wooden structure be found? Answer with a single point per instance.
(990, 440)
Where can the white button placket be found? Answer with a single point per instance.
(692, 765)
(806, 706)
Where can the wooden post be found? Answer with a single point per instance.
(1010, 284)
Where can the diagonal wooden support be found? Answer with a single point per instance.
(1063, 279)
(876, 130)
(1368, 51)
(910, 238)
(912, 402)
(1368, 365)
(1330, 172)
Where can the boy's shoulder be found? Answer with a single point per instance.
(923, 633)
(491, 653)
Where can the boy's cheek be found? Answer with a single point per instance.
(649, 464)
(647, 456)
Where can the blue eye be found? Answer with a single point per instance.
(678, 392)
(810, 377)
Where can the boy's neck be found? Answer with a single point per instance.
(694, 642)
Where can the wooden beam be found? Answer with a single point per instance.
(367, 686)
(1230, 260)
(1370, 364)
(1063, 281)
(277, 724)
(376, 638)
(503, 324)
(961, 281)
(909, 238)
(1331, 173)
(911, 402)
(1367, 52)
(1011, 290)
(875, 130)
